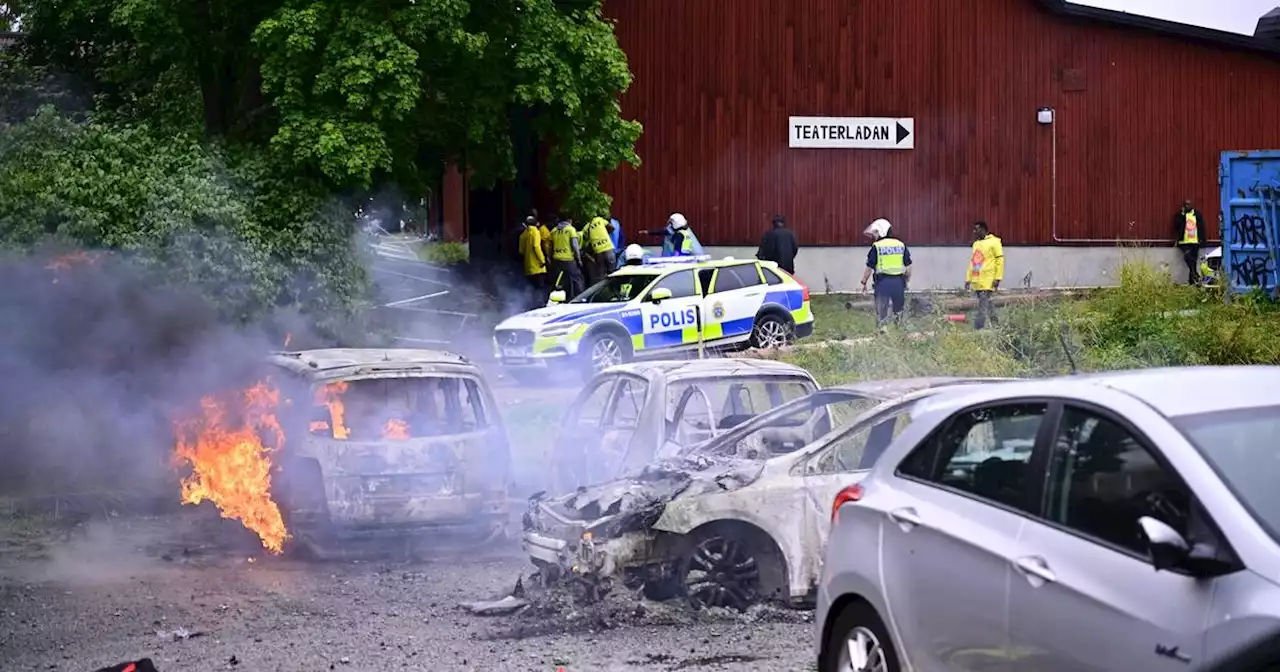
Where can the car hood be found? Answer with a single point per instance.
(557, 313)
(637, 501)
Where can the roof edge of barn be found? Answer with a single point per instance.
(1197, 34)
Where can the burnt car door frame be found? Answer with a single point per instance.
(581, 443)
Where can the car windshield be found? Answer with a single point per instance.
(383, 409)
(1240, 445)
(616, 288)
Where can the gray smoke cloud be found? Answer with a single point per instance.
(97, 358)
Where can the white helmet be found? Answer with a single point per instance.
(677, 221)
(878, 228)
(633, 253)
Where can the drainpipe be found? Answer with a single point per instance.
(1048, 116)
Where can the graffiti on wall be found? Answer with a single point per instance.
(1249, 269)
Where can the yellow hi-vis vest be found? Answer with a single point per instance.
(561, 242)
(890, 256)
(598, 239)
(1189, 233)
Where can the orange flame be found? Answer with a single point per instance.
(230, 465)
(395, 429)
(331, 395)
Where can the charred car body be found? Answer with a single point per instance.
(630, 414)
(740, 517)
(389, 440)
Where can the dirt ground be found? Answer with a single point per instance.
(100, 592)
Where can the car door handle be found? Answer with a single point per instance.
(1034, 566)
(755, 293)
(905, 516)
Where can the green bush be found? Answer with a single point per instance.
(444, 254)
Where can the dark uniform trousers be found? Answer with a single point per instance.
(567, 276)
(891, 296)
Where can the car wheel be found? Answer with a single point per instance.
(720, 571)
(859, 642)
(771, 331)
(603, 351)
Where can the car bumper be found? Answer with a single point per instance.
(588, 559)
(539, 357)
(804, 330)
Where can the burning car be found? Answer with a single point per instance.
(389, 440)
(630, 414)
(739, 517)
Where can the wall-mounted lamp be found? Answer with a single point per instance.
(1044, 115)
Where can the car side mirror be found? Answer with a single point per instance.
(659, 295)
(1168, 548)
(557, 296)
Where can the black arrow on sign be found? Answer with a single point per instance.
(902, 132)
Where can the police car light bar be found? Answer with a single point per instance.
(655, 261)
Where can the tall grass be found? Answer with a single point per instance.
(1147, 320)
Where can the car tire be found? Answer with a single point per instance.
(603, 350)
(860, 625)
(771, 331)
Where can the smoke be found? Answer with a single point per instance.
(97, 357)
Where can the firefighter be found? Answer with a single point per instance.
(599, 258)
(566, 258)
(677, 238)
(1188, 231)
(633, 255)
(889, 263)
(986, 270)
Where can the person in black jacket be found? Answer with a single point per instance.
(1188, 234)
(779, 246)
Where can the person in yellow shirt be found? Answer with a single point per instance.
(566, 258)
(535, 261)
(599, 259)
(986, 270)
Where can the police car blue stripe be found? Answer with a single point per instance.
(791, 299)
(738, 327)
(664, 339)
(580, 314)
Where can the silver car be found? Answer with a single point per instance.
(1140, 531)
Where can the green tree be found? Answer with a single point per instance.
(362, 92)
(227, 222)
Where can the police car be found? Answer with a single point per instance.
(655, 309)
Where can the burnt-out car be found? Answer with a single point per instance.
(737, 518)
(395, 440)
(630, 414)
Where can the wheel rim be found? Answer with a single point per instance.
(722, 573)
(771, 334)
(605, 353)
(863, 652)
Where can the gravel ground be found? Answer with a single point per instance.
(100, 593)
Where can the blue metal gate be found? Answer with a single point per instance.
(1250, 183)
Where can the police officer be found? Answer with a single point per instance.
(633, 255)
(677, 238)
(600, 260)
(889, 261)
(566, 257)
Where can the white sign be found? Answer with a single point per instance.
(852, 133)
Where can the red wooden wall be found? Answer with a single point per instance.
(716, 80)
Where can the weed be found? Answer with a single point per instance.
(444, 254)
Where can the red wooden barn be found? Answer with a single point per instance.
(1142, 109)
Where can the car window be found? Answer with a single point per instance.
(1102, 480)
(680, 283)
(736, 277)
(397, 408)
(860, 448)
(591, 411)
(616, 289)
(771, 276)
(628, 399)
(985, 452)
(696, 421)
